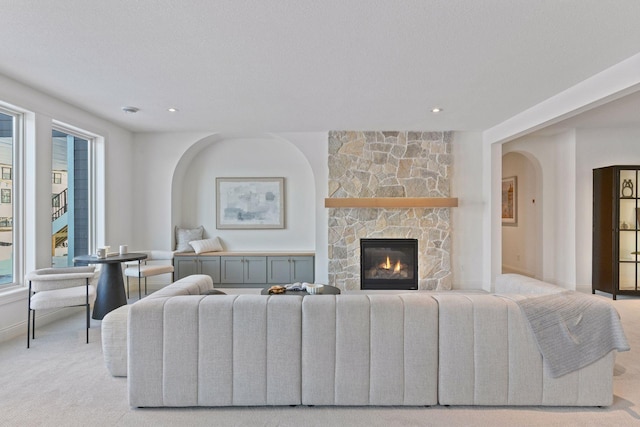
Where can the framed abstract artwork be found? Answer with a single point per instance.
(249, 203)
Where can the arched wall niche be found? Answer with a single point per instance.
(235, 155)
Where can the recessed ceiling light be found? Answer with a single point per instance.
(172, 110)
(437, 110)
(130, 110)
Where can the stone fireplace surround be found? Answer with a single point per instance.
(390, 164)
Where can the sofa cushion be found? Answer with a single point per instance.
(489, 356)
(195, 284)
(115, 323)
(206, 245)
(251, 357)
(114, 340)
(369, 350)
(185, 235)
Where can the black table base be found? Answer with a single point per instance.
(110, 294)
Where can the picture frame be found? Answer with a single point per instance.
(510, 200)
(250, 203)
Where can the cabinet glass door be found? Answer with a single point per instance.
(628, 224)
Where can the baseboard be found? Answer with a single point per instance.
(516, 270)
(584, 288)
(20, 328)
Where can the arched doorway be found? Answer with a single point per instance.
(522, 218)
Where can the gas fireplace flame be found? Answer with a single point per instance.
(388, 266)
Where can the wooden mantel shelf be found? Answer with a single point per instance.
(391, 202)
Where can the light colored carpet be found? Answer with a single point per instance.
(61, 381)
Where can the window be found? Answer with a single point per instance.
(8, 144)
(5, 195)
(70, 190)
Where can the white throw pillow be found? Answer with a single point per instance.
(185, 235)
(206, 245)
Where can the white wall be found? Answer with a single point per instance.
(155, 158)
(113, 198)
(597, 148)
(315, 146)
(564, 214)
(467, 219)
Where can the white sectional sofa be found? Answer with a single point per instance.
(421, 348)
(115, 323)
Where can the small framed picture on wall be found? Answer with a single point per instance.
(510, 201)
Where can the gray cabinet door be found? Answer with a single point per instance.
(231, 269)
(279, 269)
(255, 269)
(185, 266)
(284, 269)
(210, 265)
(302, 269)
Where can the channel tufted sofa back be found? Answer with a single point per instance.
(227, 350)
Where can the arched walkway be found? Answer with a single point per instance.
(522, 239)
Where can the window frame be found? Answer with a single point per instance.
(17, 196)
(92, 141)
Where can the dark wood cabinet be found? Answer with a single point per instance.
(616, 230)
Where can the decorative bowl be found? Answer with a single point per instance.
(314, 289)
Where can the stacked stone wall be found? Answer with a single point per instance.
(390, 164)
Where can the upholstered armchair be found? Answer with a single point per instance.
(59, 287)
(157, 262)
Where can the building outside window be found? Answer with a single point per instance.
(5, 195)
(70, 196)
(7, 147)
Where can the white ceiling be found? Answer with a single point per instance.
(311, 65)
(621, 113)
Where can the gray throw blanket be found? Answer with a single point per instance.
(572, 330)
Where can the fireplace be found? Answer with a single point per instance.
(388, 264)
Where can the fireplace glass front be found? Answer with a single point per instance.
(388, 264)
